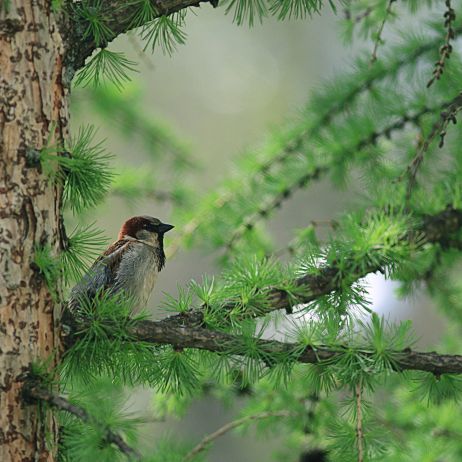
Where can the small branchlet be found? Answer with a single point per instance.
(358, 17)
(36, 393)
(273, 204)
(447, 116)
(359, 422)
(204, 444)
(379, 39)
(446, 48)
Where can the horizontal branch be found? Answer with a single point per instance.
(221, 342)
(439, 228)
(59, 402)
(117, 15)
(186, 330)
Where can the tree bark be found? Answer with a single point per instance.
(33, 103)
(39, 53)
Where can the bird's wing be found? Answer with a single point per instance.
(103, 273)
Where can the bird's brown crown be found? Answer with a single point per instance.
(135, 224)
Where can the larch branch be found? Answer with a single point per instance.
(434, 229)
(59, 402)
(118, 16)
(202, 445)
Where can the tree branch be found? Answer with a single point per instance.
(439, 129)
(359, 422)
(446, 48)
(117, 16)
(206, 339)
(230, 426)
(185, 330)
(40, 394)
(439, 228)
(378, 39)
(275, 202)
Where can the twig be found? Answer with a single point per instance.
(439, 129)
(358, 17)
(378, 39)
(40, 394)
(139, 51)
(272, 204)
(230, 426)
(359, 423)
(446, 48)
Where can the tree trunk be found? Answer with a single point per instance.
(33, 103)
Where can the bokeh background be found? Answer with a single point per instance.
(220, 93)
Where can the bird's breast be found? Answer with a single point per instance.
(138, 272)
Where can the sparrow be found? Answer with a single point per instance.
(130, 265)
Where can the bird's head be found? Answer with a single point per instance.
(145, 228)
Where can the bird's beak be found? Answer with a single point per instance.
(164, 227)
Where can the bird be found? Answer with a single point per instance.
(130, 265)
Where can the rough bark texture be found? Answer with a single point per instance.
(33, 101)
(37, 62)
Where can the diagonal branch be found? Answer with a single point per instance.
(118, 16)
(230, 426)
(446, 48)
(59, 402)
(379, 39)
(439, 129)
(436, 229)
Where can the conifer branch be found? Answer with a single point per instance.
(117, 15)
(362, 86)
(36, 393)
(162, 332)
(436, 229)
(439, 129)
(378, 39)
(446, 48)
(358, 17)
(272, 204)
(200, 447)
(359, 422)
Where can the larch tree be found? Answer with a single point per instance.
(391, 119)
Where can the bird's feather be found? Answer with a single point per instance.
(102, 275)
